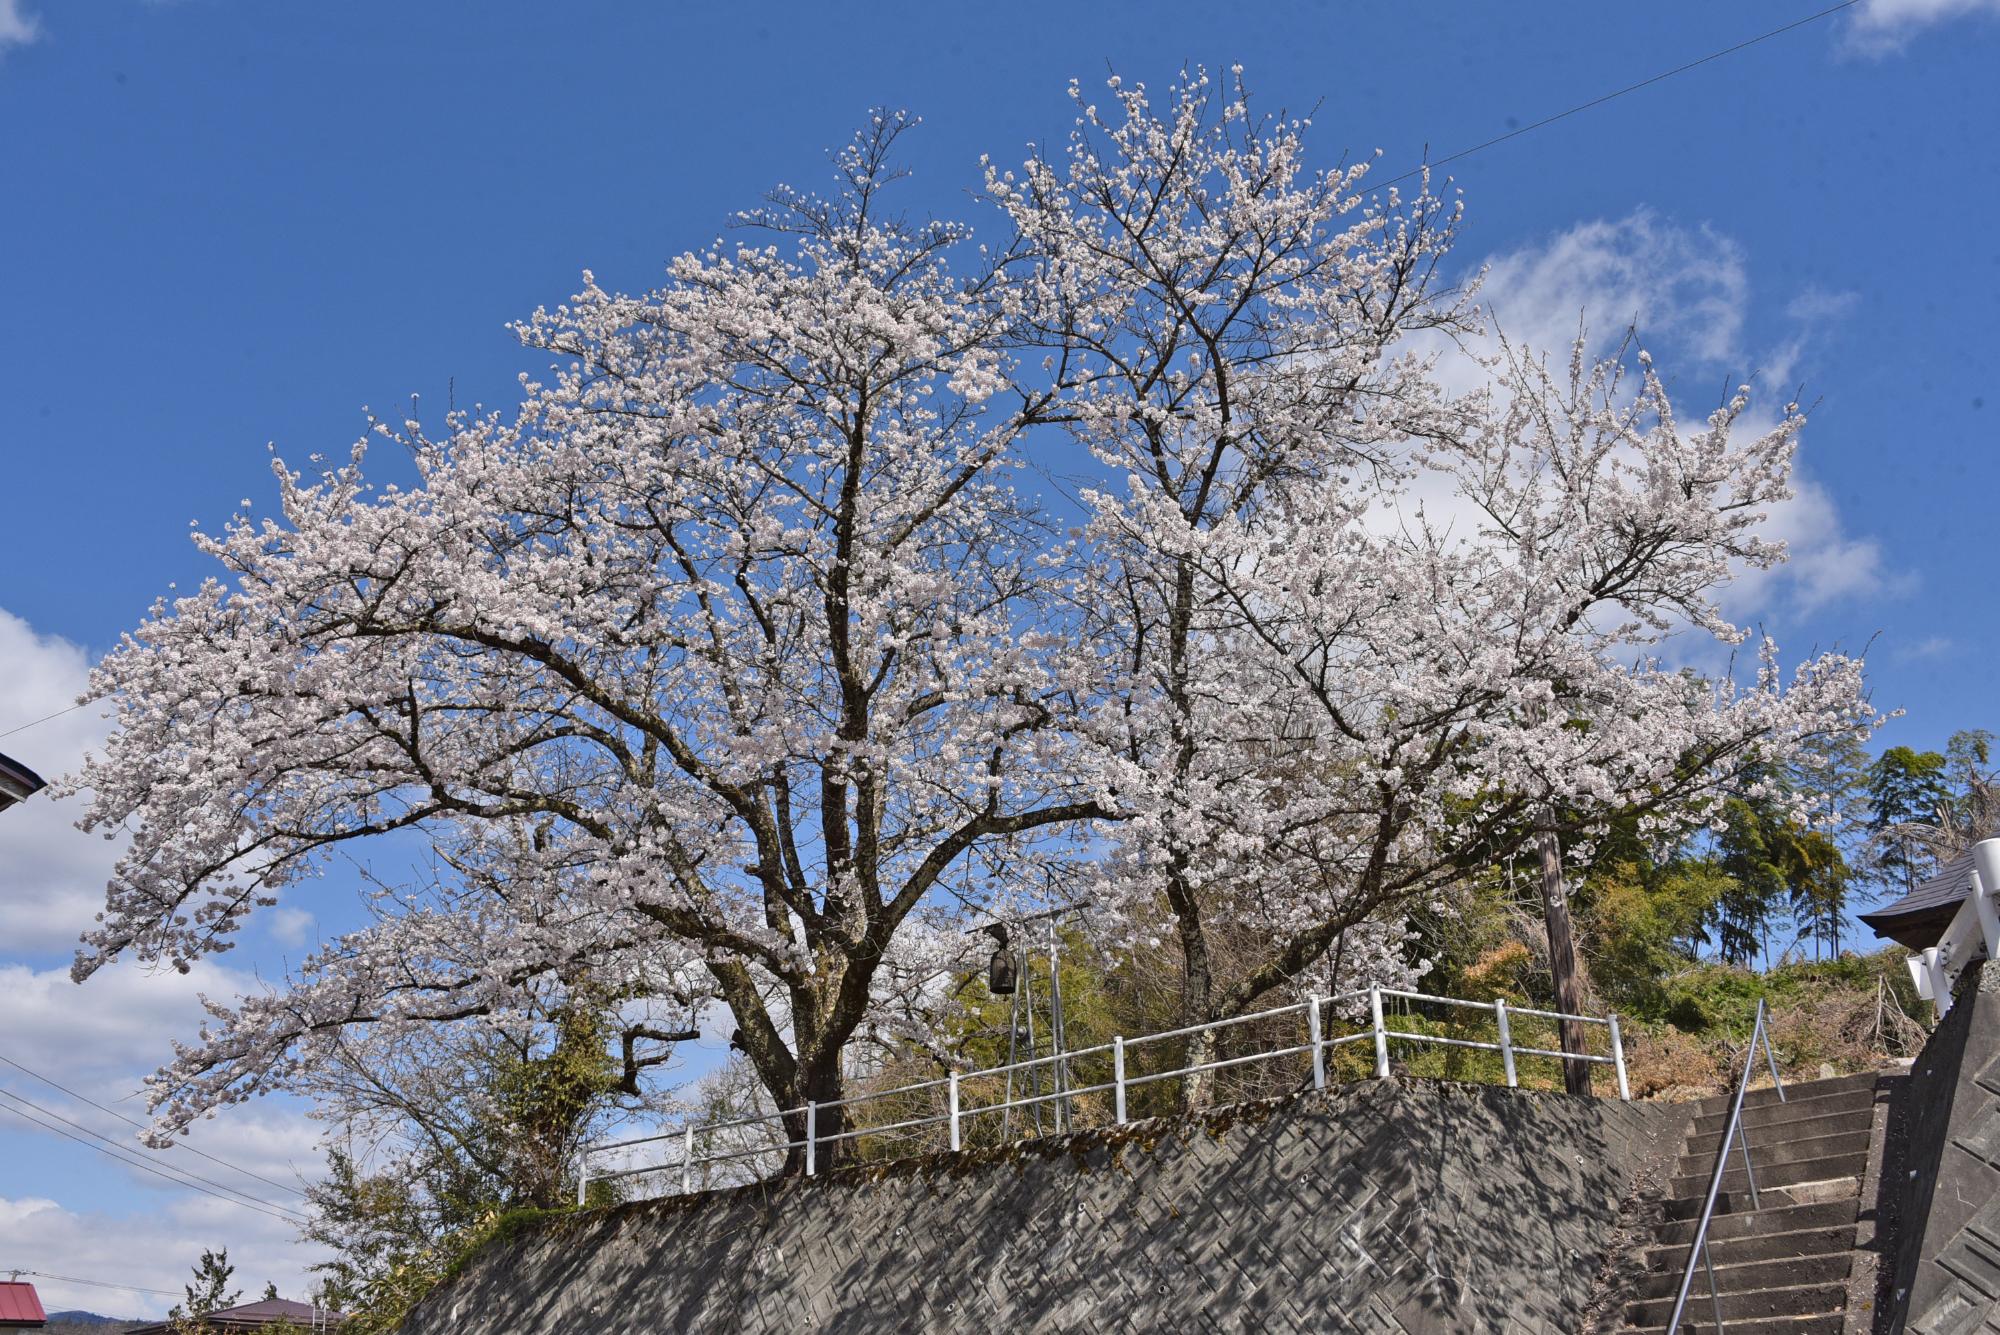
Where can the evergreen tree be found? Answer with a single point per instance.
(1906, 788)
(207, 1293)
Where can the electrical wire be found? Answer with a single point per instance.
(133, 1122)
(31, 723)
(178, 1177)
(33, 1121)
(1612, 96)
(93, 1283)
(123, 1148)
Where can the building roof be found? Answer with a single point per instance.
(250, 1316)
(20, 1305)
(17, 782)
(1919, 918)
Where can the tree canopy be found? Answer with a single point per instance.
(740, 667)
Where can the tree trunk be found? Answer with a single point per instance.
(1198, 1088)
(1197, 992)
(1562, 961)
(819, 1082)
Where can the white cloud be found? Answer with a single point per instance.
(289, 926)
(1881, 27)
(1687, 291)
(1687, 287)
(52, 875)
(17, 25)
(153, 1251)
(100, 1035)
(1931, 646)
(98, 1039)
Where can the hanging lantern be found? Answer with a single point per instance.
(1000, 973)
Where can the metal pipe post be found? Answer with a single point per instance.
(954, 1112)
(1381, 1034)
(1714, 1295)
(687, 1159)
(1749, 1173)
(1118, 1074)
(1770, 1054)
(1313, 1034)
(1506, 1042)
(1058, 1076)
(1618, 1058)
(582, 1177)
(812, 1135)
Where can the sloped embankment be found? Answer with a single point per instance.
(1378, 1206)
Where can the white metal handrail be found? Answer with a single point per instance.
(1972, 935)
(957, 1112)
(1698, 1248)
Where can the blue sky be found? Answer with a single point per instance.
(228, 225)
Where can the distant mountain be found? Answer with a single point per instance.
(97, 1325)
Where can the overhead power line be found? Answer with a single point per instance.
(43, 719)
(134, 1122)
(93, 1283)
(110, 1149)
(1580, 107)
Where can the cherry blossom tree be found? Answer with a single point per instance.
(1373, 632)
(699, 672)
(734, 671)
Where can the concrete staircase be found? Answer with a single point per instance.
(1781, 1269)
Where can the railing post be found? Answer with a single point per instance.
(1770, 1053)
(1506, 1041)
(1618, 1058)
(1313, 1036)
(1381, 1034)
(582, 1176)
(687, 1159)
(1714, 1294)
(1118, 1075)
(954, 1112)
(812, 1134)
(1749, 1173)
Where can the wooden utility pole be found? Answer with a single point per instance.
(1562, 961)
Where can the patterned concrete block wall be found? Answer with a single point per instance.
(1947, 1276)
(1372, 1207)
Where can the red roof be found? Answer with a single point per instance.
(20, 1305)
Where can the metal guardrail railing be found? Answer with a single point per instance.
(959, 1112)
(1733, 1132)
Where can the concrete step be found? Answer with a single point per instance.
(1825, 1324)
(1840, 1195)
(1783, 1271)
(1783, 1114)
(1777, 1216)
(1765, 1150)
(1691, 1190)
(1755, 1304)
(1809, 1127)
(1796, 1092)
(1752, 1246)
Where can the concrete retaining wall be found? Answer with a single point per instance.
(1378, 1207)
(1946, 1166)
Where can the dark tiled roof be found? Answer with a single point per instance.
(250, 1316)
(1920, 917)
